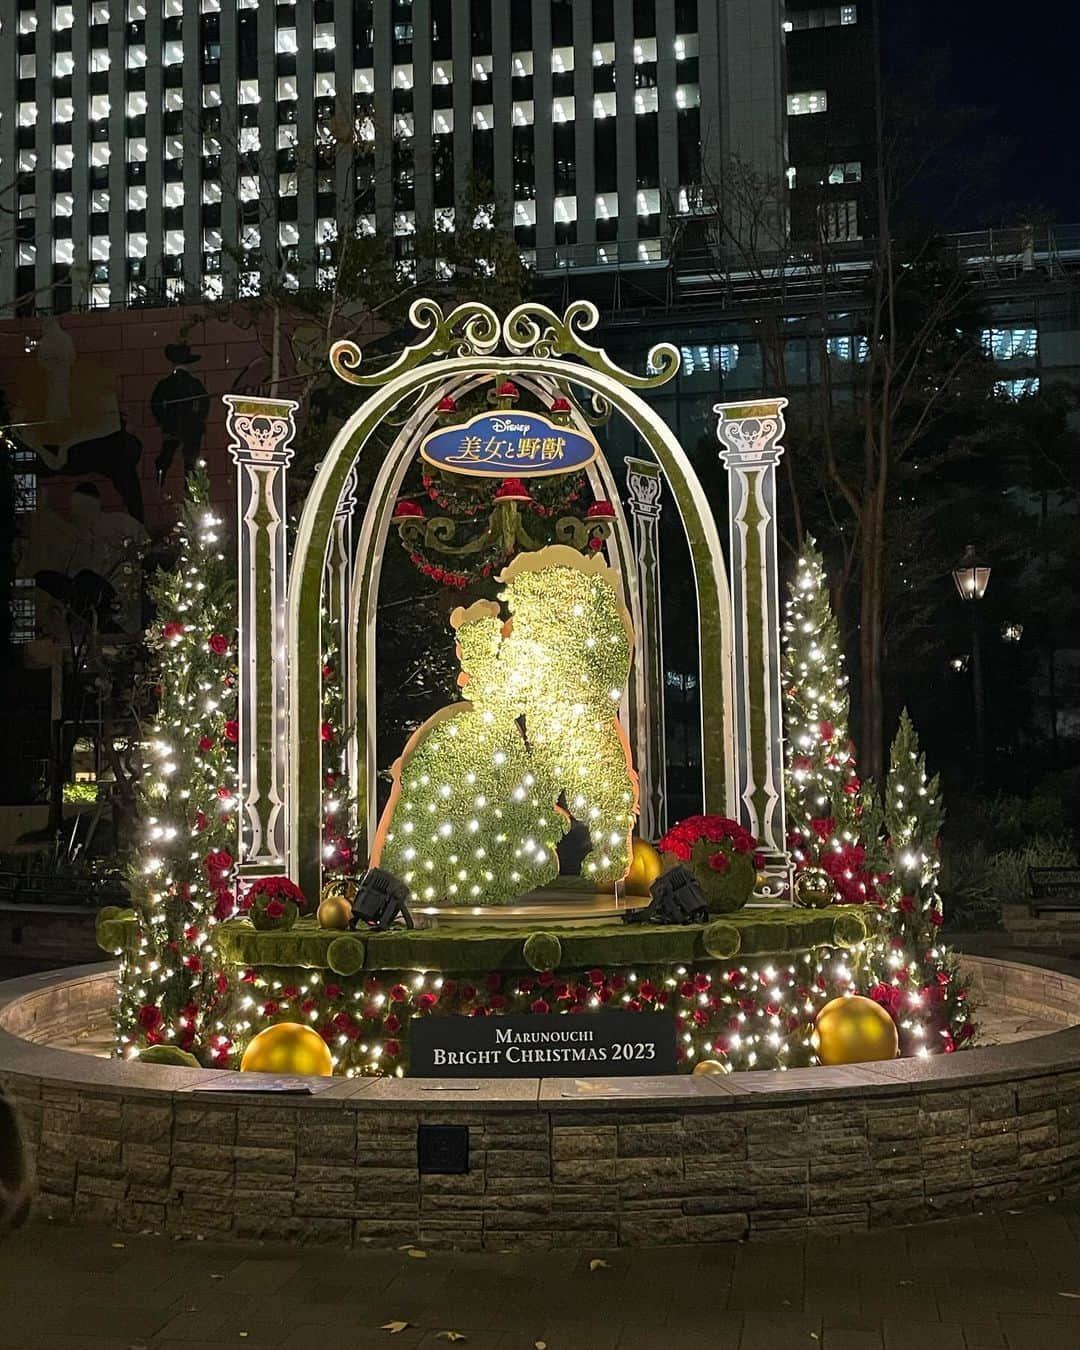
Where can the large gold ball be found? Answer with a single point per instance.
(645, 867)
(854, 1030)
(813, 888)
(335, 912)
(288, 1047)
(707, 1066)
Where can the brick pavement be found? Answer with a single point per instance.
(982, 1283)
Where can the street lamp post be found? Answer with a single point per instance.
(972, 579)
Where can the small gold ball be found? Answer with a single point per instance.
(705, 1066)
(854, 1030)
(288, 1047)
(813, 888)
(645, 867)
(335, 912)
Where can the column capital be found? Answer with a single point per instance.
(260, 429)
(749, 433)
(644, 484)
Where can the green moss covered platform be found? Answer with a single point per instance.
(745, 988)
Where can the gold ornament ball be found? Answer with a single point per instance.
(854, 1030)
(814, 889)
(645, 867)
(706, 1066)
(288, 1047)
(335, 912)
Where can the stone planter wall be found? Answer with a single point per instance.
(553, 1162)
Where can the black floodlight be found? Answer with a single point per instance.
(677, 897)
(380, 901)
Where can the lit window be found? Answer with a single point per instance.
(848, 172)
(522, 64)
(811, 101)
(603, 54)
(25, 492)
(1010, 344)
(99, 199)
(63, 250)
(136, 149)
(365, 225)
(525, 213)
(63, 204)
(211, 191)
(1014, 389)
(174, 242)
(607, 205)
(63, 111)
(604, 104)
(287, 136)
(286, 41)
(250, 237)
(100, 153)
(100, 297)
(173, 99)
(136, 103)
(28, 113)
(648, 202)
(136, 57)
(523, 114)
(63, 65)
(565, 209)
(650, 250)
(363, 81)
(249, 91)
(845, 348)
(250, 284)
(63, 157)
(562, 109)
(324, 85)
(249, 188)
(23, 609)
(325, 230)
(99, 59)
(27, 21)
(211, 241)
(27, 255)
(481, 68)
(27, 161)
(211, 144)
(839, 221)
(288, 232)
(173, 9)
(849, 14)
(173, 53)
(210, 7)
(136, 9)
(644, 51)
(99, 247)
(287, 185)
(27, 67)
(248, 140)
(27, 205)
(688, 96)
(324, 37)
(99, 107)
(710, 358)
(686, 46)
(404, 223)
(403, 77)
(442, 121)
(213, 288)
(63, 17)
(483, 117)
(174, 147)
(645, 100)
(211, 95)
(286, 88)
(136, 198)
(172, 194)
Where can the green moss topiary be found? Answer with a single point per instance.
(849, 929)
(345, 955)
(265, 918)
(168, 1054)
(542, 951)
(721, 940)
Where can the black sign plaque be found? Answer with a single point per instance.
(543, 1045)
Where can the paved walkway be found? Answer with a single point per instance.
(1009, 1283)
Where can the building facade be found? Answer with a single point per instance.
(175, 149)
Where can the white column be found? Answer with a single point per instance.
(261, 432)
(644, 485)
(749, 435)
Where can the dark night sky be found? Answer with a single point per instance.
(1019, 62)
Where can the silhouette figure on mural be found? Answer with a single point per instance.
(181, 405)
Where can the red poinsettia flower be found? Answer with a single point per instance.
(426, 1001)
(326, 732)
(150, 1017)
(392, 1023)
(232, 731)
(172, 630)
(719, 862)
(540, 1005)
(391, 1049)
(398, 993)
(206, 743)
(219, 644)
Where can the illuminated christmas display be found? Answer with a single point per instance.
(560, 714)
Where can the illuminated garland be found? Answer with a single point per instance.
(337, 846)
(182, 884)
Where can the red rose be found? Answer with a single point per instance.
(596, 977)
(219, 644)
(525, 987)
(617, 983)
(449, 988)
(150, 1018)
(326, 732)
(308, 1006)
(328, 672)
(232, 731)
(398, 993)
(702, 982)
(392, 1023)
(248, 977)
(332, 990)
(498, 1001)
(826, 730)
(426, 1001)
(193, 963)
(540, 1005)
(907, 904)
(172, 630)
(937, 918)
(823, 827)
(391, 1049)
(648, 989)
(545, 979)
(206, 743)
(274, 909)
(221, 984)
(468, 993)
(200, 821)
(719, 862)
(270, 1007)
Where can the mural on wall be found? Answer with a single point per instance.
(180, 405)
(66, 409)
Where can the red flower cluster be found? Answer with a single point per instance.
(172, 630)
(276, 890)
(219, 644)
(681, 838)
(845, 867)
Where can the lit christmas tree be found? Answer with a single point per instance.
(182, 884)
(826, 802)
(917, 977)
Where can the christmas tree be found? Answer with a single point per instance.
(916, 974)
(182, 883)
(826, 802)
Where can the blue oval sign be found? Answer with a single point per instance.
(508, 445)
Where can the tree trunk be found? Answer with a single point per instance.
(871, 635)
